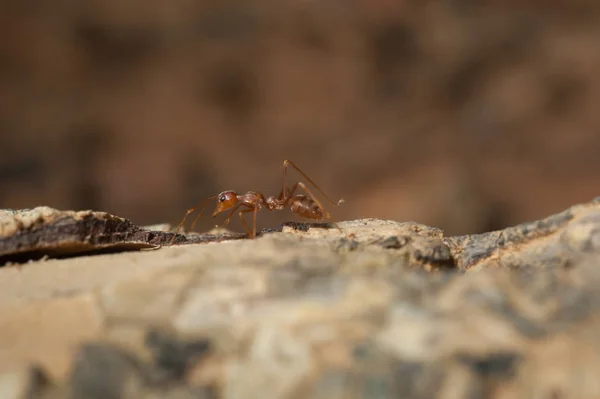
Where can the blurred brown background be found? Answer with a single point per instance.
(466, 115)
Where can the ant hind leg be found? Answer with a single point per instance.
(287, 163)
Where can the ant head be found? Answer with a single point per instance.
(226, 200)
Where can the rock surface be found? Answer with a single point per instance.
(43, 231)
(382, 310)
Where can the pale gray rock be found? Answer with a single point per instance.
(381, 310)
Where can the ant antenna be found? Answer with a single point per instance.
(204, 204)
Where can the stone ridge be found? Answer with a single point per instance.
(43, 231)
(474, 249)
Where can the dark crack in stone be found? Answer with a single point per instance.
(299, 226)
(30, 382)
(495, 365)
(102, 371)
(432, 253)
(38, 383)
(346, 245)
(376, 374)
(394, 242)
(173, 356)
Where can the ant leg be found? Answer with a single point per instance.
(327, 214)
(286, 191)
(251, 232)
(290, 193)
(254, 222)
(228, 219)
(204, 204)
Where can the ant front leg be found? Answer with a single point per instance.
(228, 219)
(251, 232)
(203, 204)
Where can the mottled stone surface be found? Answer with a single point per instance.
(553, 241)
(47, 332)
(382, 310)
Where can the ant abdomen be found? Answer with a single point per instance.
(306, 207)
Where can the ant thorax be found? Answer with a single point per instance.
(274, 204)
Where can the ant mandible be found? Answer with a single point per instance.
(307, 206)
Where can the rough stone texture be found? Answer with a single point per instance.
(382, 310)
(549, 242)
(43, 231)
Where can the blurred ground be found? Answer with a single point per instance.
(465, 115)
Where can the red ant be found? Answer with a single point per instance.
(306, 206)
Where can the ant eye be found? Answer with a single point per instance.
(222, 199)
